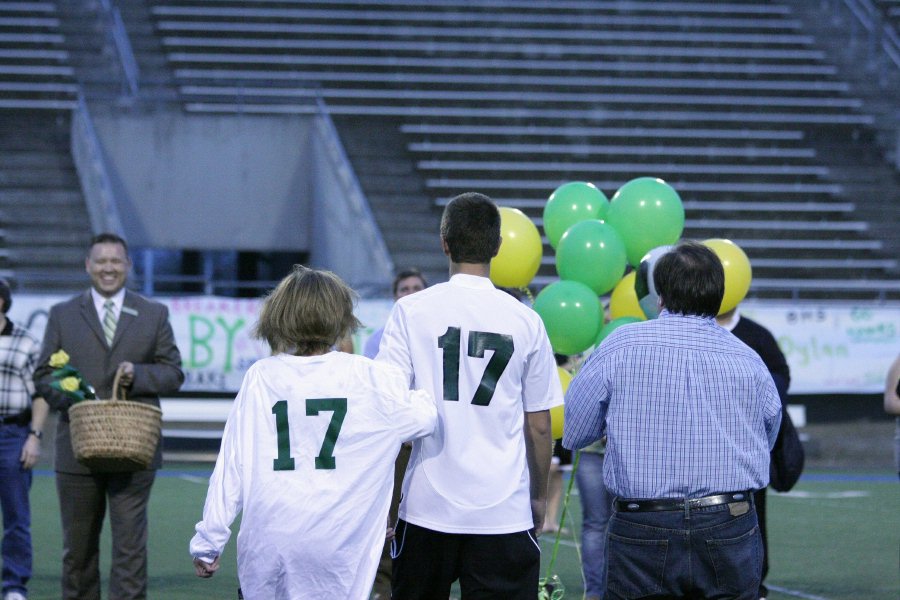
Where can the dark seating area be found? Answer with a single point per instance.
(891, 10)
(34, 65)
(42, 211)
(514, 98)
(739, 105)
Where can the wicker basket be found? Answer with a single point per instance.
(114, 435)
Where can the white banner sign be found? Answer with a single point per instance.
(833, 348)
(213, 334)
(830, 348)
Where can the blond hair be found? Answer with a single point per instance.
(307, 313)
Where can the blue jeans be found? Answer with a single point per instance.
(596, 506)
(713, 552)
(15, 483)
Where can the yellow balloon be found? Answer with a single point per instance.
(738, 272)
(623, 302)
(556, 413)
(520, 252)
(556, 422)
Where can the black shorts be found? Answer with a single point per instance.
(427, 562)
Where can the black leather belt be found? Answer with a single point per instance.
(648, 505)
(23, 418)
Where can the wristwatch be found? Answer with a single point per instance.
(36, 433)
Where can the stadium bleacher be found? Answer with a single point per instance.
(34, 64)
(736, 104)
(891, 10)
(38, 187)
(515, 98)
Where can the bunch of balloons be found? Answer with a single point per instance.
(595, 241)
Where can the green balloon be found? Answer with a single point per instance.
(593, 253)
(570, 203)
(612, 326)
(572, 315)
(647, 212)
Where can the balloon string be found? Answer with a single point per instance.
(527, 292)
(562, 519)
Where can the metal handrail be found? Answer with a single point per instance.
(890, 43)
(130, 68)
(127, 60)
(880, 34)
(93, 172)
(353, 189)
(862, 13)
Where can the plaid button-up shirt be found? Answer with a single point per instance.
(18, 358)
(688, 409)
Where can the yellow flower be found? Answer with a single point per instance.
(59, 359)
(70, 384)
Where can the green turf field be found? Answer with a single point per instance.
(835, 537)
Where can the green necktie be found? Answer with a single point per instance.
(109, 321)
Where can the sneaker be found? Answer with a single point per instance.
(14, 596)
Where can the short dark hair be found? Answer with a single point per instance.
(690, 280)
(5, 296)
(308, 312)
(406, 274)
(471, 228)
(107, 238)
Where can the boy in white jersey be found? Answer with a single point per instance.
(308, 453)
(474, 494)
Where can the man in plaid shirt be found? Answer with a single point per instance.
(690, 413)
(21, 423)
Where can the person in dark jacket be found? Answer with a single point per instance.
(761, 339)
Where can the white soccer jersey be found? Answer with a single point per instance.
(487, 359)
(308, 455)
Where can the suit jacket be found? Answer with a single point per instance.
(143, 337)
(761, 339)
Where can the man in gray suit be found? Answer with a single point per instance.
(105, 329)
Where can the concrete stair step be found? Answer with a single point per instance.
(33, 159)
(64, 207)
(38, 178)
(77, 234)
(62, 280)
(46, 256)
(10, 143)
(47, 198)
(58, 218)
